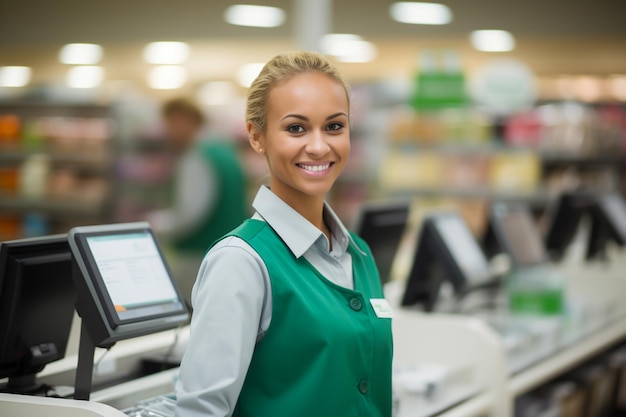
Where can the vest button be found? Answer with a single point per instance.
(355, 304)
(363, 386)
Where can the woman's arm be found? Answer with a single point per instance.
(231, 311)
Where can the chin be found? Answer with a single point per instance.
(319, 191)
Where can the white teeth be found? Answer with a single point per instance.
(314, 168)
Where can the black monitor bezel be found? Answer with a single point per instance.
(373, 208)
(564, 218)
(95, 305)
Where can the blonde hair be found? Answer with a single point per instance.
(282, 68)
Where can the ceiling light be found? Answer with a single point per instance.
(247, 74)
(618, 87)
(361, 51)
(420, 13)
(167, 77)
(80, 54)
(565, 87)
(85, 76)
(166, 53)
(347, 47)
(256, 16)
(492, 40)
(337, 43)
(14, 76)
(588, 88)
(216, 93)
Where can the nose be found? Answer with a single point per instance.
(317, 145)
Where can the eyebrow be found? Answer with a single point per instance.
(301, 117)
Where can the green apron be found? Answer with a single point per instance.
(325, 353)
(229, 206)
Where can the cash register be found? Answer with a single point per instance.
(124, 290)
(447, 255)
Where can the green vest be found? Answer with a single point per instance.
(229, 205)
(325, 352)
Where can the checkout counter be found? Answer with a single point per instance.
(446, 363)
(478, 378)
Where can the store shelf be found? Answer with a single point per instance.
(536, 197)
(498, 148)
(67, 151)
(84, 161)
(31, 108)
(64, 208)
(459, 148)
(582, 161)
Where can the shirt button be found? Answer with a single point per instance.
(363, 386)
(355, 304)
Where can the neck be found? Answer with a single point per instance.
(309, 207)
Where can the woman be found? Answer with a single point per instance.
(284, 321)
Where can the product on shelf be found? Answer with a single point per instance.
(10, 227)
(9, 180)
(34, 176)
(10, 126)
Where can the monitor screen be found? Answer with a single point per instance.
(37, 299)
(134, 275)
(382, 227)
(463, 248)
(517, 234)
(125, 287)
(613, 208)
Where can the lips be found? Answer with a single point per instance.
(315, 167)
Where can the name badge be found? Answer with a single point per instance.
(381, 308)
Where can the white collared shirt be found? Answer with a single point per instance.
(232, 301)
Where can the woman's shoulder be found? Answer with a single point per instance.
(231, 247)
(233, 260)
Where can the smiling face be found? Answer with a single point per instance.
(306, 138)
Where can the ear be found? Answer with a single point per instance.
(255, 138)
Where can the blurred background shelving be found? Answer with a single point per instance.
(56, 166)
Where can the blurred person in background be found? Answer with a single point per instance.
(208, 195)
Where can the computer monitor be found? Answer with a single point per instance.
(446, 251)
(606, 213)
(125, 289)
(564, 219)
(513, 231)
(382, 226)
(37, 299)
(613, 208)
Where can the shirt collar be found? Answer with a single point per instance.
(298, 233)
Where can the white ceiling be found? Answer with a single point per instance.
(554, 36)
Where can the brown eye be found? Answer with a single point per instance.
(295, 129)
